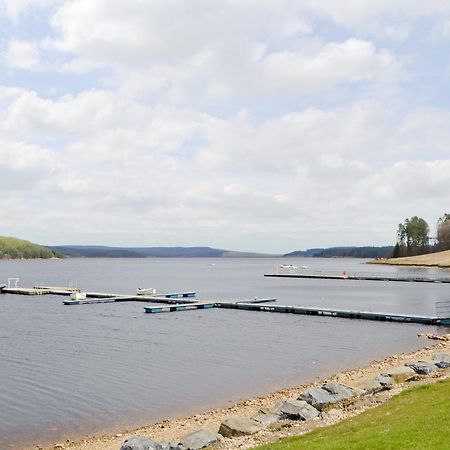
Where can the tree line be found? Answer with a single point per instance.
(413, 237)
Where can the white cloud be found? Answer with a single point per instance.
(220, 123)
(24, 167)
(23, 55)
(335, 63)
(296, 27)
(228, 178)
(372, 16)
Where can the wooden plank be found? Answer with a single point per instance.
(25, 291)
(57, 288)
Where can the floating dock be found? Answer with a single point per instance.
(173, 308)
(309, 311)
(131, 298)
(103, 297)
(185, 301)
(204, 305)
(345, 314)
(25, 291)
(365, 277)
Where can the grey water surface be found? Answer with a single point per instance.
(68, 371)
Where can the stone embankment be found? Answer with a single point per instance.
(315, 404)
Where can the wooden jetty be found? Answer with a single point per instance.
(130, 298)
(25, 291)
(103, 297)
(58, 288)
(365, 277)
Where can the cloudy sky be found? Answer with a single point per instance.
(244, 124)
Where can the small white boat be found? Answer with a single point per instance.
(145, 291)
(287, 266)
(78, 296)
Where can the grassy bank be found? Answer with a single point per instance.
(13, 248)
(440, 259)
(418, 418)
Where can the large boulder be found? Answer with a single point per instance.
(369, 387)
(296, 410)
(317, 397)
(199, 439)
(144, 443)
(385, 381)
(267, 417)
(239, 426)
(339, 391)
(399, 374)
(441, 360)
(422, 367)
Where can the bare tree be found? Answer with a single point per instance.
(443, 232)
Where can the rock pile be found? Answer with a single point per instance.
(309, 405)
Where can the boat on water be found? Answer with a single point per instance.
(78, 296)
(2, 286)
(287, 266)
(145, 291)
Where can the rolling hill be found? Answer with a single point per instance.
(13, 248)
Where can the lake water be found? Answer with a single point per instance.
(70, 371)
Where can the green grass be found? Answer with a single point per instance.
(418, 418)
(12, 248)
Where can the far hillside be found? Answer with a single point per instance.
(13, 248)
(101, 251)
(345, 252)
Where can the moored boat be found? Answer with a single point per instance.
(145, 291)
(78, 296)
(287, 266)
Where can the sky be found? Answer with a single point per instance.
(251, 125)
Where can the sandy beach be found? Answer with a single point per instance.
(172, 430)
(439, 259)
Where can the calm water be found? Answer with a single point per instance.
(69, 371)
